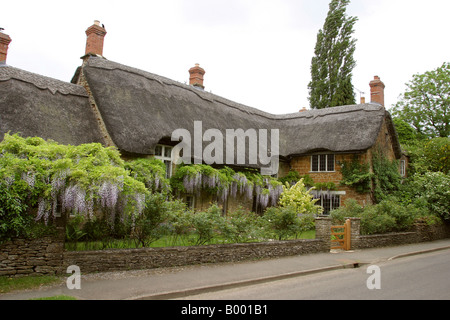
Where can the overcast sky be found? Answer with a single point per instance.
(257, 53)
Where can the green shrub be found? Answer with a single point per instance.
(432, 191)
(14, 218)
(374, 221)
(284, 222)
(149, 226)
(388, 216)
(243, 226)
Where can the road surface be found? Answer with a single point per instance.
(422, 277)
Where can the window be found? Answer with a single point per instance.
(329, 202)
(164, 153)
(403, 168)
(190, 201)
(322, 163)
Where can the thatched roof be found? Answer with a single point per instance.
(34, 105)
(140, 109)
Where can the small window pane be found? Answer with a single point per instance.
(190, 201)
(323, 162)
(168, 168)
(403, 168)
(158, 151)
(336, 202)
(315, 163)
(326, 203)
(330, 160)
(167, 152)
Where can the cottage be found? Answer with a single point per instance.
(137, 112)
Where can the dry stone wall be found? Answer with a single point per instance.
(46, 256)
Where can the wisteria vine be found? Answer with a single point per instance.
(226, 183)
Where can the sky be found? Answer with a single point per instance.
(257, 53)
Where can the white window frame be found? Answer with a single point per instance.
(164, 158)
(335, 193)
(326, 162)
(403, 168)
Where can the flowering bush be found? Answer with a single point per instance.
(46, 177)
(300, 199)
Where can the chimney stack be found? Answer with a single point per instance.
(95, 37)
(377, 91)
(196, 76)
(5, 40)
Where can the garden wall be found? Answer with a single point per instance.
(420, 233)
(148, 258)
(46, 256)
(42, 256)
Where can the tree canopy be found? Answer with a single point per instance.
(425, 105)
(333, 63)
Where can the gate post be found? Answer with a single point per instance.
(355, 231)
(348, 235)
(323, 229)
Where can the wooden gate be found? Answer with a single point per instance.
(340, 236)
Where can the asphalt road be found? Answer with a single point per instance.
(423, 277)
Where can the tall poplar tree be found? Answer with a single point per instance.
(333, 63)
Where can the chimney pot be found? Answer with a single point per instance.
(196, 76)
(5, 40)
(95, 39)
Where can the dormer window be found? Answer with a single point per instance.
(322, 163)
(164, 153)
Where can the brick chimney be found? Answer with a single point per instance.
(377, 90)
(95, 37)
(196, 76)
(5, 40)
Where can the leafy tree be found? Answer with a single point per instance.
(433, 188)
(406, 133)
(430, 155)
(333, 63)
(425, 105)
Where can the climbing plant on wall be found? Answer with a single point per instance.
(226, 182)
(357, 175)
(53, 178)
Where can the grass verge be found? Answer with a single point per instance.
(8, 284)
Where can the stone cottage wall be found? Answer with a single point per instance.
(302, 165)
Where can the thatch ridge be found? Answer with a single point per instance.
(34, 105)
(41, 82)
